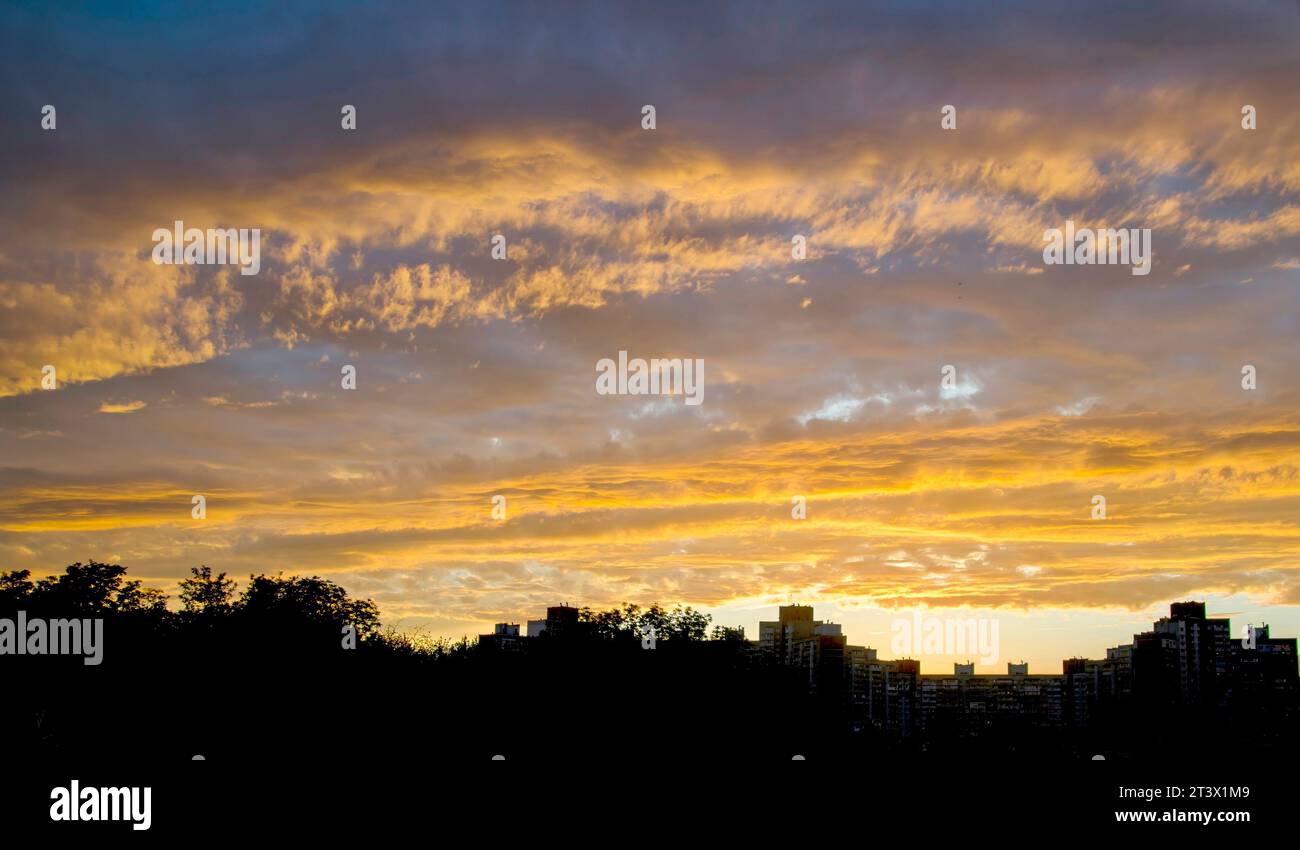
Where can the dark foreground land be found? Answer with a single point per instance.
(292, 726)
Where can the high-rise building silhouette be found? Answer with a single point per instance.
(1187, 668)
(1186, 663)
(794, 623)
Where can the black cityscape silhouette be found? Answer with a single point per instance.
(269, 674)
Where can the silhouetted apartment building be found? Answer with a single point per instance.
(504, 636)
(821, 658)
(560, 620)
(794, 623)
(1187, 668)
(1090, 685)
(1201, 651)
(1266, 672)
(1154, 668)
(856, 659)
(1187, 661)
(965, 704)
(883, 693)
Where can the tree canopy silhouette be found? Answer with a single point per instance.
(258, 668)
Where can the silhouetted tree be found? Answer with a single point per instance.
(615, 624)
(86, 588)
(631, 621)
(206, 593)
(729, 634)
(15, 588)
(311, 600)
(133, 597)
(687, 624)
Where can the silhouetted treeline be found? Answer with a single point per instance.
(259, 674)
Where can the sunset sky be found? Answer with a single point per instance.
(476, 377)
